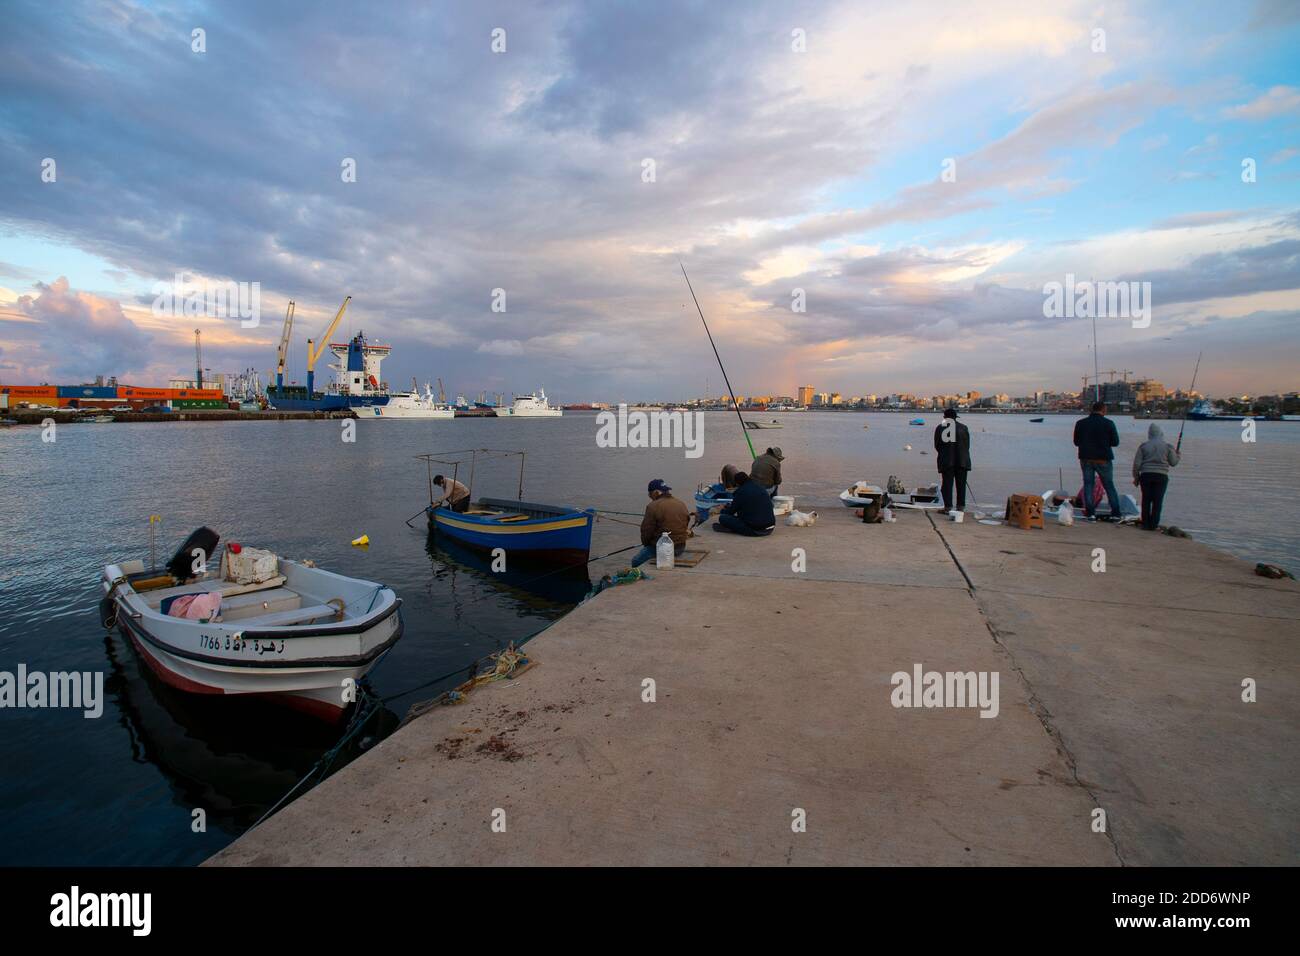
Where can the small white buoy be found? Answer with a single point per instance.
(907, 448)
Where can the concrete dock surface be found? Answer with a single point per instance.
(1119, 691)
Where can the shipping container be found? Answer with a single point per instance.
(26, 393)
(87, 391)
(166, 394)
(197, 403)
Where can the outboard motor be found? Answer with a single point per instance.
(181, 566)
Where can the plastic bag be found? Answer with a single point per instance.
(1065, 514)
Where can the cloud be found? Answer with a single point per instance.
(1277, 101)
(522, 171)
(76, 333)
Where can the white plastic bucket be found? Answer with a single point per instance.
(782, 504)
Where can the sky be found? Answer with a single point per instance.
(913, 174)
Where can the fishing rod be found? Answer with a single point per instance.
(1179, 447)
(730, 390)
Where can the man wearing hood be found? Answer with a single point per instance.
(766, 470)
(1151, 465)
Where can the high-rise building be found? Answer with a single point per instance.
(805, 395)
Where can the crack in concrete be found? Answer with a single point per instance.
(1036, 703)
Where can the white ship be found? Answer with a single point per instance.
(410, 405)
(530, 406)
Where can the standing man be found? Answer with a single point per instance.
(1095, 436)
(455, 494)
(952, 448)
(766, 470)
(663, 513)
(1151, 465)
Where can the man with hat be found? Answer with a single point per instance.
(766, 470)
(664, 513)
(952, 448)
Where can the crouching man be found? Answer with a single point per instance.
(750, 512)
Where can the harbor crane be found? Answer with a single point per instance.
(442, 396)
(283, 351)
(314, 353)
(198, 361)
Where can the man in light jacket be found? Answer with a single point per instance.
(1151, 465)
(766, 470)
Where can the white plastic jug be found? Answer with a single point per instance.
(664, 551)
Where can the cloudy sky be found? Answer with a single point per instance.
(795, 146)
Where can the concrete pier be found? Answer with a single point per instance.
(1119, 691)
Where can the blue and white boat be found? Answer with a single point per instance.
(524, 530)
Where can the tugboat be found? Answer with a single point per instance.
(531, 406)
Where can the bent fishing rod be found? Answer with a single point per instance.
(1179, 447)
(730, 390)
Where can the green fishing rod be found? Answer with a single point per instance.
(1179, 447)
(732, 392)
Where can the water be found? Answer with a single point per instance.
(122, 789)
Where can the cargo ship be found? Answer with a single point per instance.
(357, 383)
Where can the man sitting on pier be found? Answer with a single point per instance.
(664, 513)
(455, 494)
(750, 512)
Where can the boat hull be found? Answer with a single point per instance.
(563, 538)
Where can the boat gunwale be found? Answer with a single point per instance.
(354, 660)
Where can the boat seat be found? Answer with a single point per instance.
(505, 518)
(228, 589)
(317, 613)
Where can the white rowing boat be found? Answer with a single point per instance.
(294, 633)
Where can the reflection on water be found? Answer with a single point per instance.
(122, 789)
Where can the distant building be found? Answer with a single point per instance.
(1149, 390)
(805, 395)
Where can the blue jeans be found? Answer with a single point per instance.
(647, 553)
(1107, 474)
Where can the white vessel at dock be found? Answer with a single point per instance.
(410, 405)
(530, 406)
(279, 629)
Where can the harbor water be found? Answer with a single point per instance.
(124, 788)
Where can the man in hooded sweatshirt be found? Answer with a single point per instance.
(1151, 465)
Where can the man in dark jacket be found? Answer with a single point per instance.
(1095, 436)
(750, 512)
(952, 448)
(663, 514)
(766, 470)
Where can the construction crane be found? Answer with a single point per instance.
(314, 353)
(282, 352)
(442, 396)
(198, 361)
